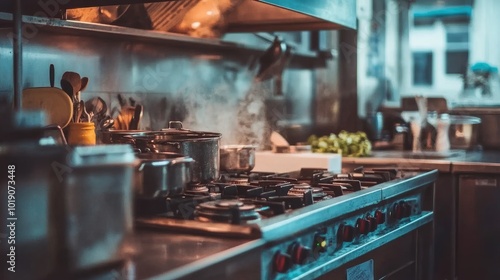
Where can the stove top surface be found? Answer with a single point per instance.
(241, 204)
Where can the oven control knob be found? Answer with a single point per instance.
(363, 226)
(348, 233)
(340, 235)
(299, 253)
(319, 245)
(373, 222)
(405, 209)
(282, 262)
(396, 212)
(379, 217)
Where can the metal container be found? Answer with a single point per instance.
(162, 174)
(463, 131)
(489, 131)
(201, 146)
(237, 158)
(79, 209)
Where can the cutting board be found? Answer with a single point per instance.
(56, 104)
(267, 161)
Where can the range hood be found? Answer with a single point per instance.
(248, 16)
(285, 15)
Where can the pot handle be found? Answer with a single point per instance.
(182, 160)
(176, 144)
(175, 124)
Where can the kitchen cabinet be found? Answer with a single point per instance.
(478, 227)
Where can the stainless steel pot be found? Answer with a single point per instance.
(162, 174)
(114, 136)
(463, 131)
(237, 158)
(201, 146)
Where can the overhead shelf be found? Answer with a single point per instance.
(78, 28)
(31, 5)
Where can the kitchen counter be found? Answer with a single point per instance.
(151, 254)
(450, 162)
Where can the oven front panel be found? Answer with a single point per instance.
(318, 251)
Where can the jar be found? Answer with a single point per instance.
(81, 134)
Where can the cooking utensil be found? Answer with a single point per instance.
(84, 83)
(162, 174)
(68, 88)
(121, 100)
(77, 112)
(84, 111)
(134, 123)
(75, 80)
(97, 106)
(237, 158)
(274, 60)
(124, 118)
(106, 123)
(52, 75)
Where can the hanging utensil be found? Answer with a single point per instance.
(271, 62)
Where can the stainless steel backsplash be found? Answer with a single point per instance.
(207, 90)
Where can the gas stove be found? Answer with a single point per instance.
(312, 222)
(245, 199)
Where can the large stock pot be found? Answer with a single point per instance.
(202, 147)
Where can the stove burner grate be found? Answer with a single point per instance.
(226, 211)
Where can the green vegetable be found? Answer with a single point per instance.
(348, 144)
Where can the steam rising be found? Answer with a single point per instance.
(233, 107)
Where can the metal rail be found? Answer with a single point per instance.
(18, 54)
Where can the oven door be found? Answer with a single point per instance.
(407, 257)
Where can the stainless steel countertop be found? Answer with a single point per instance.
(165, 255)
(454, 161)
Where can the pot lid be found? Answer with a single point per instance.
(175, 129)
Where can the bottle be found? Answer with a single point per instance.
(428, 136)
(443, 139)
(81, 133)
(428, 132)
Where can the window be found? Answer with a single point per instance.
(456, 62)
(457, 49)
(422, 68)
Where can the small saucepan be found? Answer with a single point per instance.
(237, 158)
(162, 174)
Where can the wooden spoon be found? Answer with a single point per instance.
(85, 82)
(75, 81)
